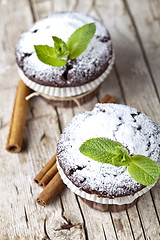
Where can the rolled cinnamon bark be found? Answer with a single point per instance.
(108, 99)
(52, 189)
(48, 176)
(44, 171)
(17, 124)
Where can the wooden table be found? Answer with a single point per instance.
(134, 80)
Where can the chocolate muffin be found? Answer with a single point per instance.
(103, 186)
(83, 74)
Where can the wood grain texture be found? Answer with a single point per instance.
(134, 80)
(147, 26)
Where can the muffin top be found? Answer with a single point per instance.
(84, 69)
(137, 132)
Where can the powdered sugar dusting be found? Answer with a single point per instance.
(93, 61)
(121, 123)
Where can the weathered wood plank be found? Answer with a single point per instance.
(112, 87)
(64, 6)
(135, 223)
(84, 6)
(148, 218)
(154, 8)
(98, 224)
(156, 198)
(147, 24)
(41, 9)
(17, 174)
(122, 225)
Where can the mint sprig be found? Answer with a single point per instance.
(141, 168)
(58, 55)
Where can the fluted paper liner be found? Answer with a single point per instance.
(93, 197)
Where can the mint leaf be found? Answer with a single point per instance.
(80, 39)
(61, 47)
(49, 56)
(106, 151)
(144, 170)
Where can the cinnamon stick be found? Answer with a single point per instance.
(50, 178)
(17, 124)
(52, 189)
(44, 171)
(108, 99)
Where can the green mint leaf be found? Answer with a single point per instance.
(61, 47)
(49, 56)
(80, 39)
(106, 151)
(144, 170)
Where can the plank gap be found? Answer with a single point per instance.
(104, 233)
(83, 218)
(120, 84)
(59, 121)
(76, 5)
(141, 46)
(113, 226)
(94, 3)
(45, 230)
(31, 190)
(68, 221)
(152, 12)
(94, 6)
(141, 223)
(98, 98)
(26, 217)
(155, 206)
(130, 224)
(32, 10)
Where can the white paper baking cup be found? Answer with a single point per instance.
(66, 91)
(93, 197)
